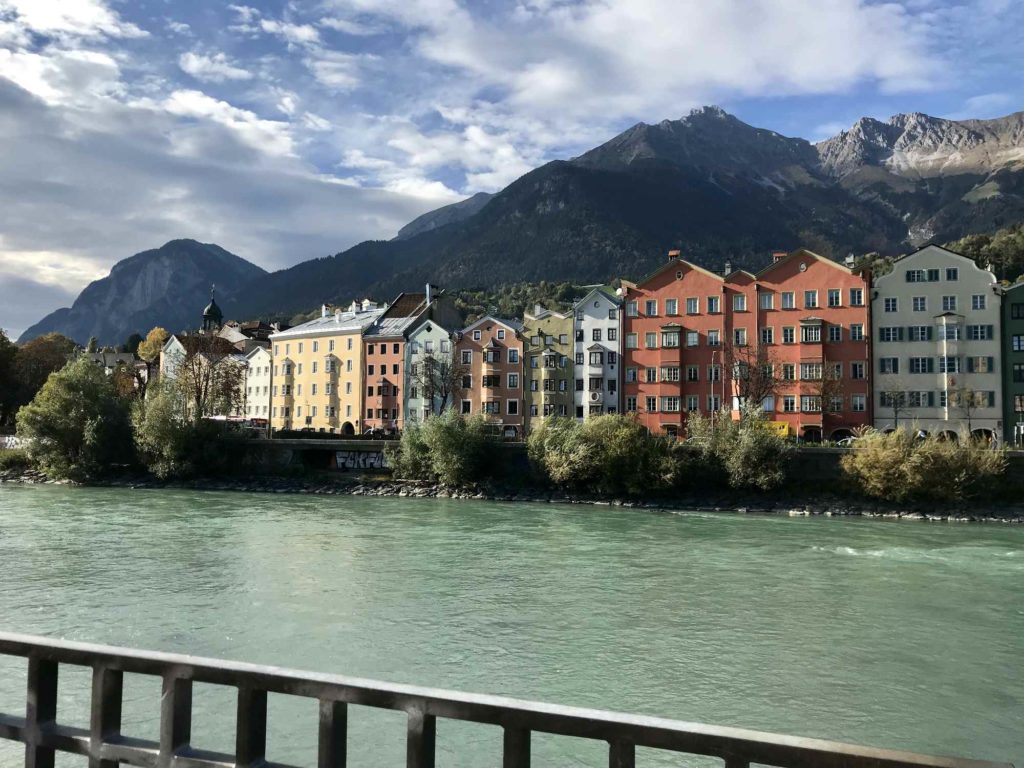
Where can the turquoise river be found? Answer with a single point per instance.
(894, 634)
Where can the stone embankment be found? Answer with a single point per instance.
(779, 503)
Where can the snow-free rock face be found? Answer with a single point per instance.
(167, 286)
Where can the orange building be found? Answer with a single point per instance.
(490, 352)
(673, 327)
(794, 338)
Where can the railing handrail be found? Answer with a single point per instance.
(738, 746)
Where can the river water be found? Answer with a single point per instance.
(894, 634)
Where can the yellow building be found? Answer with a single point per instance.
(317, 382)
(548, 365)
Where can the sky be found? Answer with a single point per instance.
(285, 131)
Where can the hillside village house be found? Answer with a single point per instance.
(318, 370)
(1013, 364)
(200, 356)
(492, 350)
(434, 378)
(548, 368)
(937, 345)
(257, 384)
(384, 357)
(597, 354)
(796, 341)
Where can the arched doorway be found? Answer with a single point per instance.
(812, 434)
(948, 436)
(841, 434)
(983, 436)
(348, 429)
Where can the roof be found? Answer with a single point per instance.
(193, 343)
(335, 323)
(110, 359)
(804, 253)
(514, 325)
(675, 261)
(399, 317)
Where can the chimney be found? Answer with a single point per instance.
(430, 293)
(778, 256)
(728, 269)
(537, 309)
(324, 310)
(850, 260)
(674, 254)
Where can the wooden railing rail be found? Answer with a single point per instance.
(105, 747)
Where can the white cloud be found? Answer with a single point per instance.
(349, 27)
(179, 27)
(270, 136)
(215, 69)
(985, 105)
(61, 76)
(299, 34)
(70, 18)
(315, 123)
(335, 69)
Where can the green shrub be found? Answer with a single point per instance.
(76, 425)
(897, 466)
(744, 452)
(448, 448)
(14, 459)
(172, 446)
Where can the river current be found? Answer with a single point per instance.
(893, 634)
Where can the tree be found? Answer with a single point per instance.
(894, 396)
(37, 360)
(131, 344)
(76, 426)
(93, 345)
(754, 371)
(129, 383)
(967, 401)
(438, 377)
(150, 348)
(8, 379)
(449, 449)
(210, 378)
(828, 387)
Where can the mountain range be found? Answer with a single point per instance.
(709, 184)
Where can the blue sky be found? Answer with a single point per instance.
(285, 131)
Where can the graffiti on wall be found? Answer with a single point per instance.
(361, 460)
(9, 442)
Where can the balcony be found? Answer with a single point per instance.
(670, 355)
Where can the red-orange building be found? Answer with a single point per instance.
(795, 337)
(490, 352)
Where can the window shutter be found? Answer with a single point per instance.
(899, 333)
(991, 399)
(989, 332)
(970, 365)
(928, 332)
(931, 399)
(991, 363)
(931, 365)
(881, 336)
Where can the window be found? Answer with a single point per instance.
(788, 300)
(670, 404)
(890, 304)
(834, 297)
(611, 312)
(630, 341)
(981, 364)
(613, 334)
(651, 375)
(595, 334)
(952, 273)
(920, 303)
(714, 403)
(492, 406)
(467, 357)
(810, 403)
(651, 307)
(739, 302)
(980, 332)
(789, 372)
(857, 370)
(313, 389)
(933, 275)
(713, 304)
(692, 338)
(889, 333)
(856, 297)
(949, 303)
(493, 356)
(630, 376)
(563, 338)
(739, 337)
(915, 276)
(513, 355)
(369, 370)
(512, 407)
(767, 301)
(692, 306)
(835, 404)
(810, 299)
(651, 340)
(670, 338)
(714, 373)
(889, 365)
(810, 334)
(978, 301)
(1017, 343)
(1017, 311)
(714, 338)
(858, 403)
(789, 404)
(810, 371)
(513, 381)
(446, 346)
(631, 309)
(671, 306)
(767, 335)
(597, 358)
(921, 365)
(652, 404)
(1018, 373)
(949, 365)
(949, 332)
(631, 405)
(692, 402)
(501, 335)
(920, 332)
(692, 373)
(476, 335)
(788, 335)
(1018, 403)
(835, 333)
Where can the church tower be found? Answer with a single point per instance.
(212, 316)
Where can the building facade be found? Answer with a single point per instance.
(937, 345)
(434, 378)
(490, 351)
(597, 354)
(317, 371)
(673, 324)
(257, 385)
(1013, 364)
(797, 343)
(547, 365)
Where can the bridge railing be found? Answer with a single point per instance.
(105, 747)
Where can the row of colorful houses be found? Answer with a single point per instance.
(822, 348)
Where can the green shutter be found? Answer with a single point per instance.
(931, 364)
(970, 365)
(991, 399)
(989, 332)
(928, 332)
(991, 362)
(931, 399)
(899, 334)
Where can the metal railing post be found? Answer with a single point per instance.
(251, 727)
(332, 748)
(516, 748)
(420, 741)
(40, 711)
(621, 754)
(175, 717)
(104, 713)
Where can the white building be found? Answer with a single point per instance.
(429, 344)
(257, 384)
(598, 350)
(936, 345)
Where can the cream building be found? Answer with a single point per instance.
(936, 345)
(257, 384)
(317, 371)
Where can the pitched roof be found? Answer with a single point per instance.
(515, 325)
(341, 322)
(805, 254)
(194, 343)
